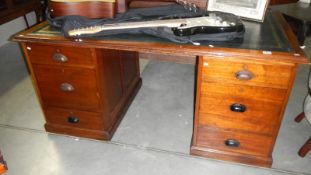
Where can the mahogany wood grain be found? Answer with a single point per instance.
(260, 117)
(232, 156)
(262, 74)
(84, 94)
(244, 91)
(167, 48)
(104, 84)
(98, 134)
(262, 93)
(130, 68)
(151, 3)
(214, 97)
(90, 9)
(86, 120)
(43, 54)
(113, 85)
(249, 144)
(122, 5)
(145, 4)
(199, 3)
(78, 132)
(113, 89)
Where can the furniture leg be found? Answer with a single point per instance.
(3, 167)
(305, 148)
(302, 33)
(300, 117)
(26, 21)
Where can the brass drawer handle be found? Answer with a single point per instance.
(72, 119)
(232, 143)
(237, 107)
(244, 75)
(66, 87)
(58, 57)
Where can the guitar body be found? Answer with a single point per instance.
(207, 30)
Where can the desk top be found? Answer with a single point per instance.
(265, 40)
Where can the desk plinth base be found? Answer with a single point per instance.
(230, 156)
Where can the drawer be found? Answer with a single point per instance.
(59, 55)
(234, 142)
(67, 87)
(243, 91)
(239, 114)
(74, 118)
(238, 72)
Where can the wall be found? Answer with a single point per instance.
(10, 28)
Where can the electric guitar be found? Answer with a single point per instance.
(215, 22)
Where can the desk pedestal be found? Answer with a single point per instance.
(239, 106)
(83, 92)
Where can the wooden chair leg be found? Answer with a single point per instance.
(3, 167)
(300, 117)
(305, 148)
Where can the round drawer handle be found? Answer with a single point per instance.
(66, 87)
(232, 143)
(58, 57)
(244, 75)
(72, 119)
(237, 107)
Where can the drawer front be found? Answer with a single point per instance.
(67, 87)
(238, 113)
(243, 91)
(74, 118)
(234, 142)
(246, 73)
(59, 55)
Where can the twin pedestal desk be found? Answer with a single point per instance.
(242, 87)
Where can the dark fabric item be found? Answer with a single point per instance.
(67, 23)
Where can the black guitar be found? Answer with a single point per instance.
(214, 22)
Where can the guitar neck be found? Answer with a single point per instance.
(127, 25)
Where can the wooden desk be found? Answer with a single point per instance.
(242, 88)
